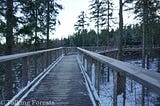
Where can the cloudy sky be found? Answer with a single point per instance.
(68, 16)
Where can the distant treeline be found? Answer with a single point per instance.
(132, 36)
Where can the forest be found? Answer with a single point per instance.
(23, 25)
(27, 25)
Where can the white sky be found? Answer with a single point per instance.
(72, 8)
(68, 16)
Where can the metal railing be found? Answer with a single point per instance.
(122, 82)
(22, 70)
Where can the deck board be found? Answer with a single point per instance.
(64, 86)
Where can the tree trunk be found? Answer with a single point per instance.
(120, 45)
(144, 43)
(108, 24)
(36, 36)
(144, 40)
(8, 50)
(48, 19)
(83, 32)
(121, 82)
(97, 37)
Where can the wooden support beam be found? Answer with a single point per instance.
(108, 74)
(145, 77)
(93, 74)
(43, 61)
(115, 77)
(98, 69)
(25, 70)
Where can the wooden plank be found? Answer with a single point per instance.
(64, 85)
(147, 78)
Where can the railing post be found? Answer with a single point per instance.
(93, 74)
(98, 70)
(119, 87)
(55, 54)
(47, 61)
(82, 59)
(59, 52)
(62, 51)
(30, 70)
(143, 96)
(108, 74)
(102, 70)
(49, 58)
(43, 61)
(65, 50)
(115, 75)
(89, 66)
(25, 70)
(85, 65)
(35, 62)
(8, 80)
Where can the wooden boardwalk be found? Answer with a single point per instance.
(63, 86)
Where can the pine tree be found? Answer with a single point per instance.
(147, 11)
(9, 21)
(81, 25)
(109, 8)
(53, 8)
(98, 12)
(20, 18)
(41, 19)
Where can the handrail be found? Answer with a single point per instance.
(104, 49)
(32, 64)
(29, 87)
(147, 78)
(20, 55)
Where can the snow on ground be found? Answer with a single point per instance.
(133, 89)
(153, 63)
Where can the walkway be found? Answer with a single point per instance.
(63, 86)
